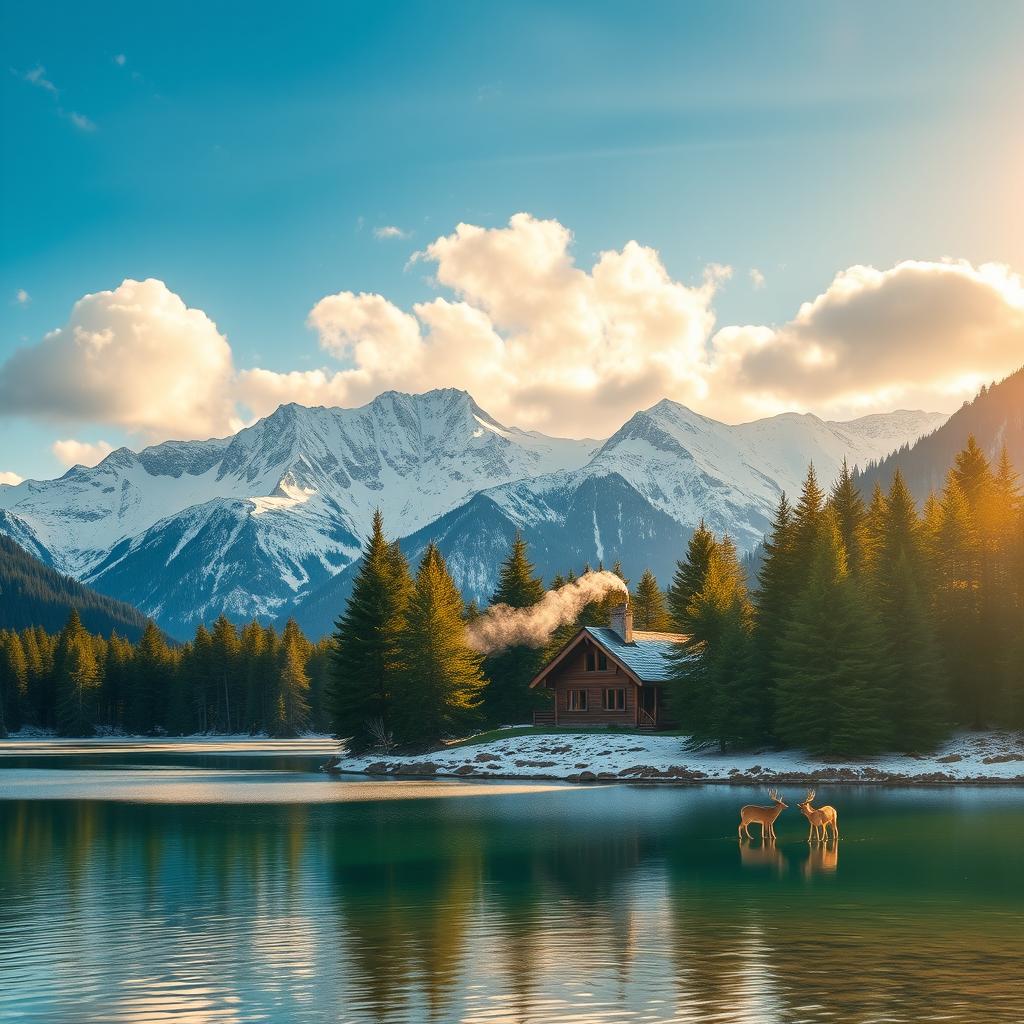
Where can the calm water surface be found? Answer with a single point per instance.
(145, 884)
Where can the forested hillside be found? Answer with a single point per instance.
(224, 680)
(33, 594)
(994, 418)
(873, 626)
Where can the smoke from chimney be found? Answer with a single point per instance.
(501, 626)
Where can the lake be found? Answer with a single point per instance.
(234, 882)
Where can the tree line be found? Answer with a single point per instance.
(872, 626)
(402, 673)
(247, 680)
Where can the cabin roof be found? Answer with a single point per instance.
(645, 656)
(644, 660)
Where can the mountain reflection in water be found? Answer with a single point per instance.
(590, 905)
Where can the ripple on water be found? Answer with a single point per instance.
(441, 902)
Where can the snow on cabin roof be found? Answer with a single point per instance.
(645, 656)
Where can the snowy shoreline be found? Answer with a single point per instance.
(974, 758)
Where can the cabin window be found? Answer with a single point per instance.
(590, 661)
(602, 662)
(615, 700)
(576, 700)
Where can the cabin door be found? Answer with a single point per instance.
(648, 706)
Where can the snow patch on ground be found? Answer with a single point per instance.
(605, 756)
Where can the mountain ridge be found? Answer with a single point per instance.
(255, 523)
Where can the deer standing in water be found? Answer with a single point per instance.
(819, 818)
(754, 814)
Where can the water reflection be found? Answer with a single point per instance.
(822, 858)
(614, 904)
(763, 854)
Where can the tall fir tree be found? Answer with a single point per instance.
(291, 704)
(829, 699)
(439, 685)
(13, 682)
(917, 697)
(713, 688)
(690, 574)
(508, 699)
(848, 505)
(366, 643)
(77, 680)
(650, 611)
(779, 581)
(150, 674)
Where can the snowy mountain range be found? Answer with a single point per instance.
(268, 522)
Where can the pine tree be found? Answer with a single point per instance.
(440, 683)
(828, 698)
(13, 682)
(508, 698)
(366, 643)
(848, 505)
(914, 672)
(291, 707)
(150, 674)
(77, 680)
(225, 676)
(779, 580)
(690, 574)
(650, 611)
(713, 689)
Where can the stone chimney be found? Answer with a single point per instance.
(622, 621)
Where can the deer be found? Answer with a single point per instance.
(819, 818)
(754, 814)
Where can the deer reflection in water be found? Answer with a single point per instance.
(821, 860)
(765, 855)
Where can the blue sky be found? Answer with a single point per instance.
(244, 154)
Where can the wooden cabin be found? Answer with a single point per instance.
(609, 676)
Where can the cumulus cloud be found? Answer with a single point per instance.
(390, 231)
(538, 340)
(22, 297)
(541, 342)
(136, 357)
(756, 278)
(81, 453)
(920, 332)
(9, 478)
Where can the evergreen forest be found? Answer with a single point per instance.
(871, 625)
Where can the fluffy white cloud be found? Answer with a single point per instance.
(918, 333)
(22, 297)
(9, 478)
(536, 339)
(540, 342)
(81, 453)
(136, 357)
(757, 278)
(390, 231)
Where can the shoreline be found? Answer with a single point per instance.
(982, 759)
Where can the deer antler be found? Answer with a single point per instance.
(810, 796)
(774, 794)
